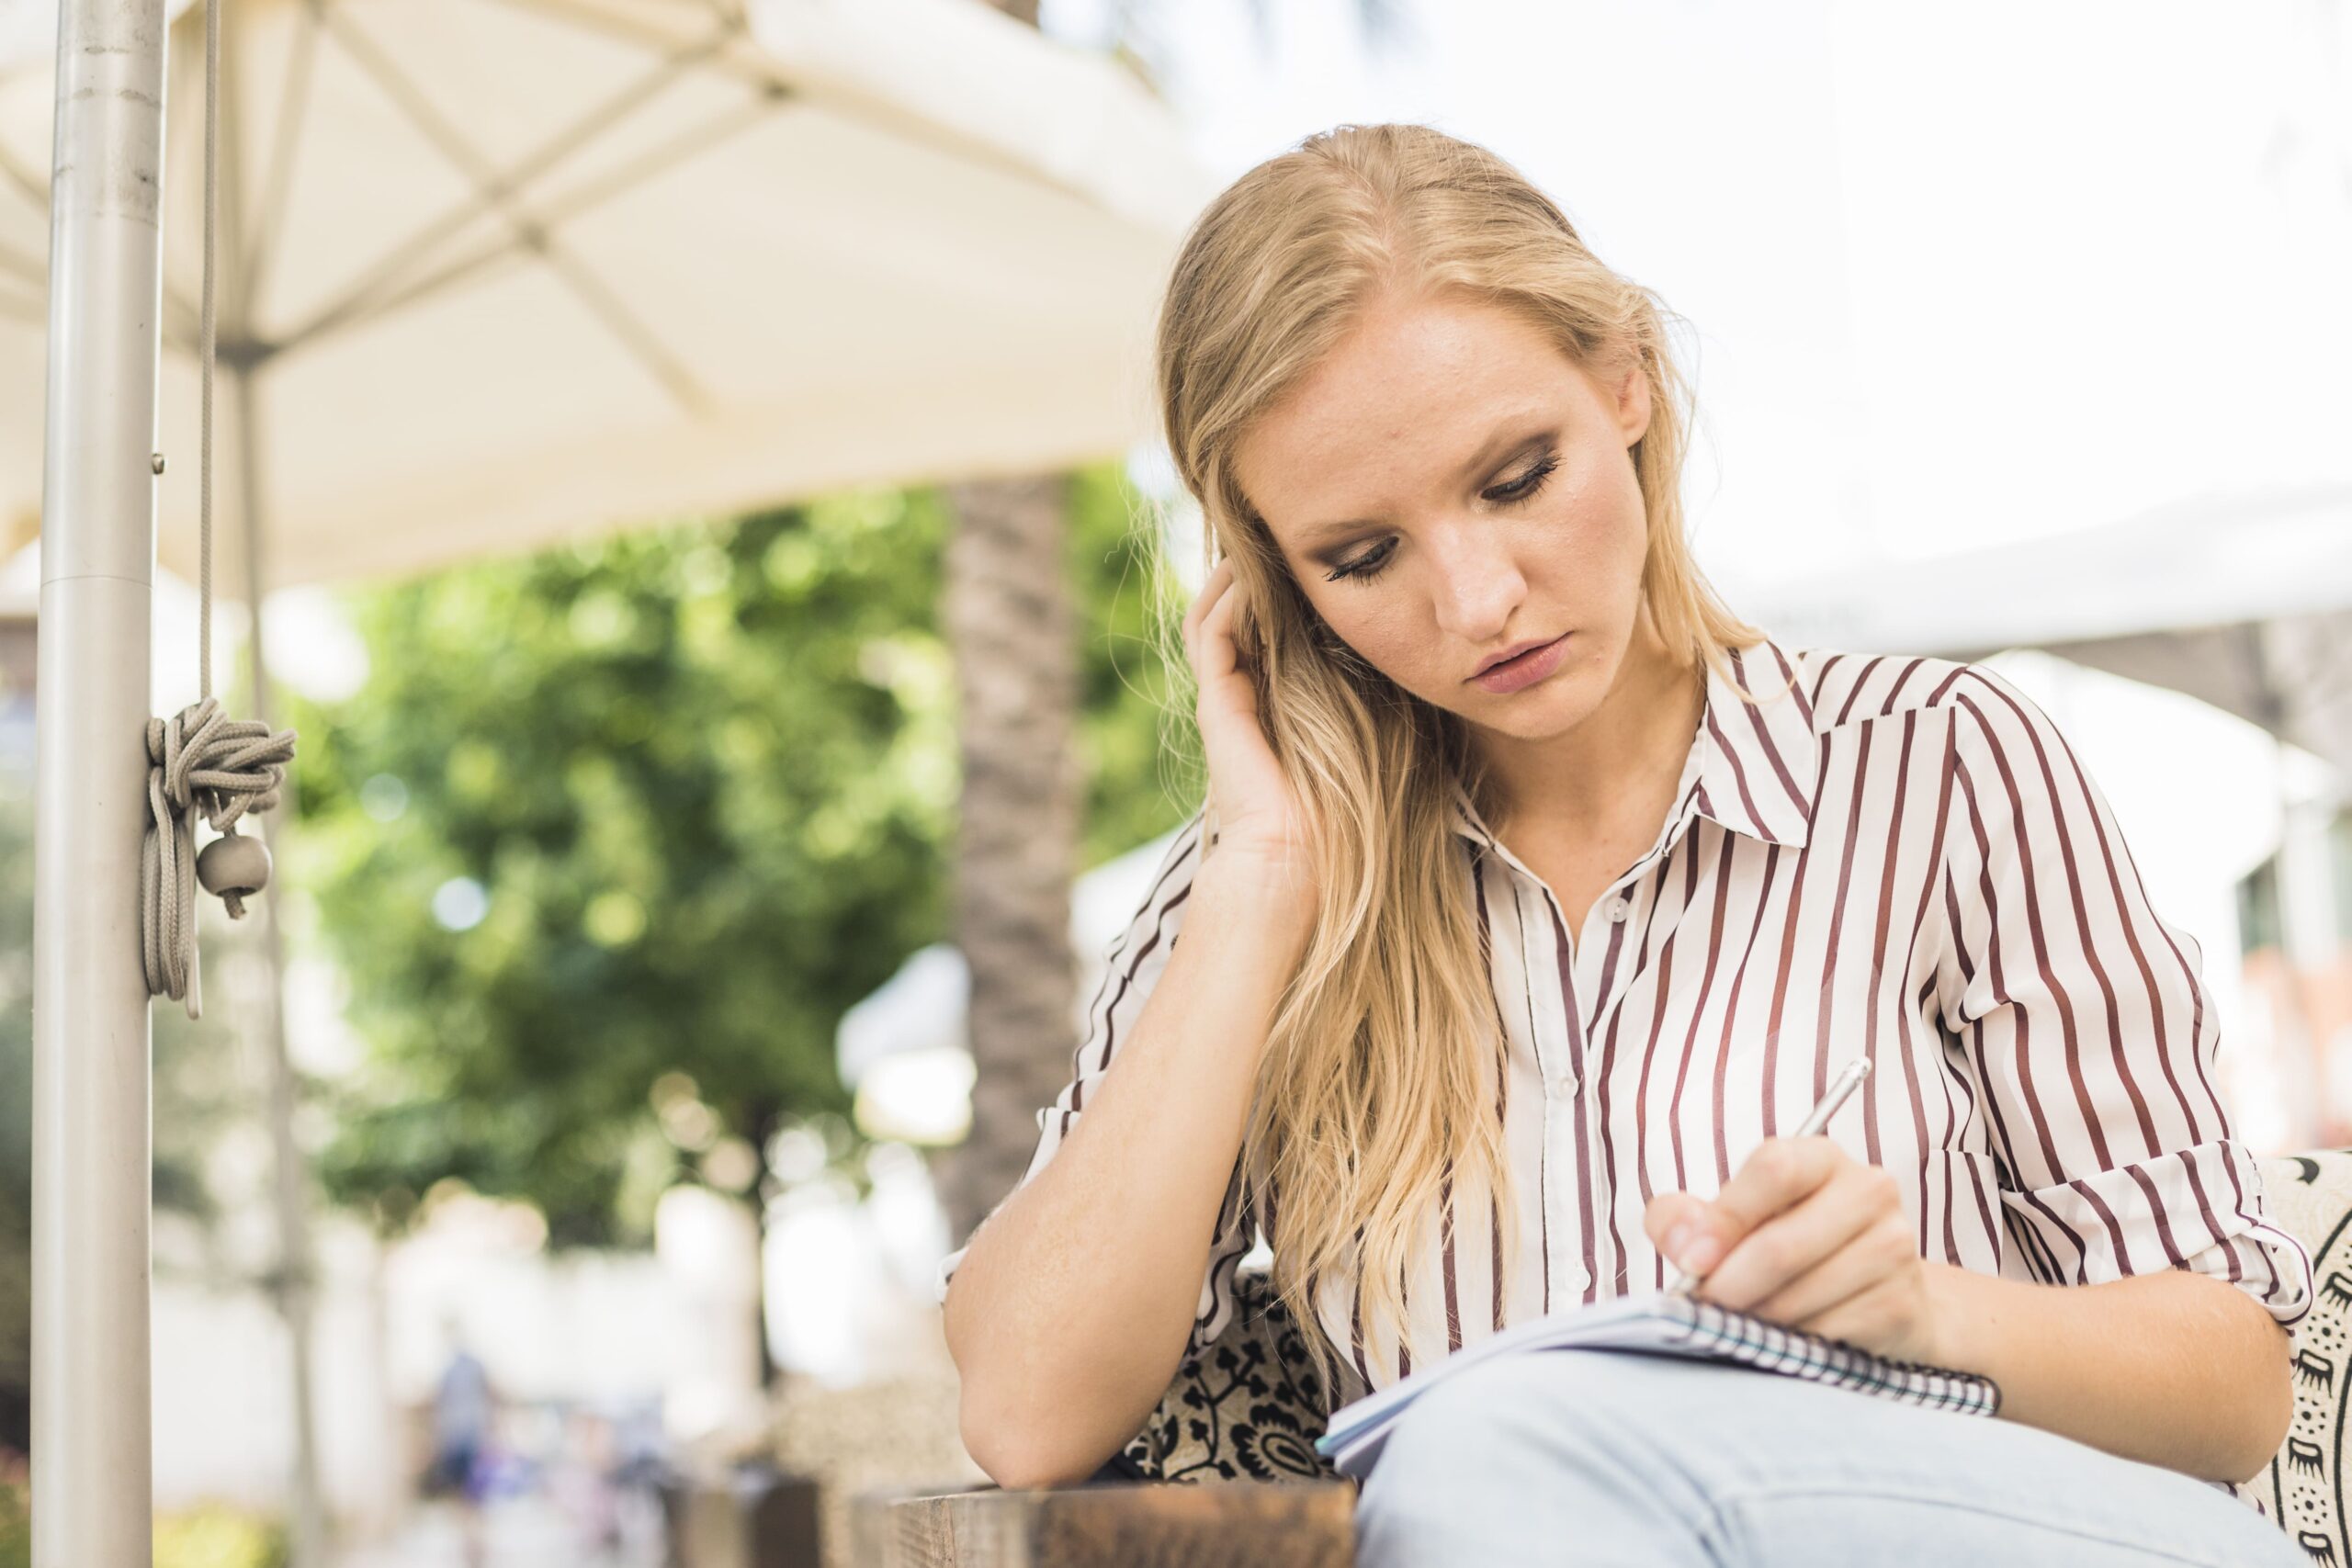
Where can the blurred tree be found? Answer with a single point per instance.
(613, 835)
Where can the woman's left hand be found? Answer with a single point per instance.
(1805, 1234)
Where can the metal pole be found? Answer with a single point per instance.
(92, 1461)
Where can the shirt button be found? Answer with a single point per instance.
(1619, 909)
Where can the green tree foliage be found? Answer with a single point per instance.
(613, 834)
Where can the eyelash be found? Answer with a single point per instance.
(1369, 565)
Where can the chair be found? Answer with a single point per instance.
(1247, 1408)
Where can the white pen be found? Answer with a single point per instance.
(1816, 1120)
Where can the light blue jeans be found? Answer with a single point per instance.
(1592, 1458)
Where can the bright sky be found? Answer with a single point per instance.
(1956, 275)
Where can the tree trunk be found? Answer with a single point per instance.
(1009, 621)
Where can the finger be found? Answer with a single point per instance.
(1775, 1254)
(1203, 626)
(1861, 1318)
(1667, 1212)
(1865, 1262)
(1781, 1172)
(1211, 586)
(1219, 656)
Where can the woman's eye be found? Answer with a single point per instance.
(1365, 565)
(1527, 484)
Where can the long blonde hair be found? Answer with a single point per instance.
(1377, 1090)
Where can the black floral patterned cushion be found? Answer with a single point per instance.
(2310, 1196)
(1249, 1406)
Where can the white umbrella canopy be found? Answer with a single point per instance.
(505, 271)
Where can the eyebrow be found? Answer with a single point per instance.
(1509, 441)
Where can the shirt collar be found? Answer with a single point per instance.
(1756, 760)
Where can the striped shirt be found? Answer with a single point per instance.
(1895, 858)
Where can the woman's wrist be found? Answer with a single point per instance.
(1259, 887)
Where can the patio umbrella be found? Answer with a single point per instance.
(495, 272)
(491, 272)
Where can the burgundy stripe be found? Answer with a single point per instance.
(1788, 951)
(1825, 1010)
(1609, 1143)
(1913, 1005)
(1914, 1008)
(2122, 1057)
(2130, 921)
(1111, 967)
(1601, 1090)
(1502, 1091)
(2001, 998)
(1903, 969)
(1355, 1316)
(1731, 1011)
(1896, 690)
(2157, 1209)
(1543, 1158)
(1853, 692)
(1738, 774)
(1453, 1303)
(1788, 673)
(1404, 1327)
(1661, 991)
(1111, 1019)
(1698, 1012)
(1576, 1066)
(1772, 752)
(2068, 1031)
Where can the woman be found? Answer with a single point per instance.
(1535, 896)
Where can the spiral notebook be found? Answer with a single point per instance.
(1666, 1324)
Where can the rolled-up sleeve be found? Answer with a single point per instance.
(2086, 1023)
(1132, 965)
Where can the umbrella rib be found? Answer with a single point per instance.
(269, 217)
(570, 205)
(497, 187)
(24, 267)
(527, 231)
(35, 190)
(592, 18)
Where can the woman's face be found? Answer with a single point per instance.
(1447, 486)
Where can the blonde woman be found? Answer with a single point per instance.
(1535, 898)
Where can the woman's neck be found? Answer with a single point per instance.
(1626, 756)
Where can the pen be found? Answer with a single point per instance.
(1816, 1120)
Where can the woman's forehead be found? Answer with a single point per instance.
(1415, 396)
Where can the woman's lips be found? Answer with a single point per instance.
(1515, 675)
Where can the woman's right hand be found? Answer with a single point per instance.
(1251, 809)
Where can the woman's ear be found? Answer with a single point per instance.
(1632, 397)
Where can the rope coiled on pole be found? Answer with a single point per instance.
(200, 761)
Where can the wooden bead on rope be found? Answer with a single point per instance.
(234, 867)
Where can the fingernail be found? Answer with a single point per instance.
(1691, 1247)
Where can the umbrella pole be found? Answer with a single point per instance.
(92, 1469)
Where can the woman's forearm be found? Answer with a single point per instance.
(1070, 1310)
(2172, 1368)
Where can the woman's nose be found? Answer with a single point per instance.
(1478, 584)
